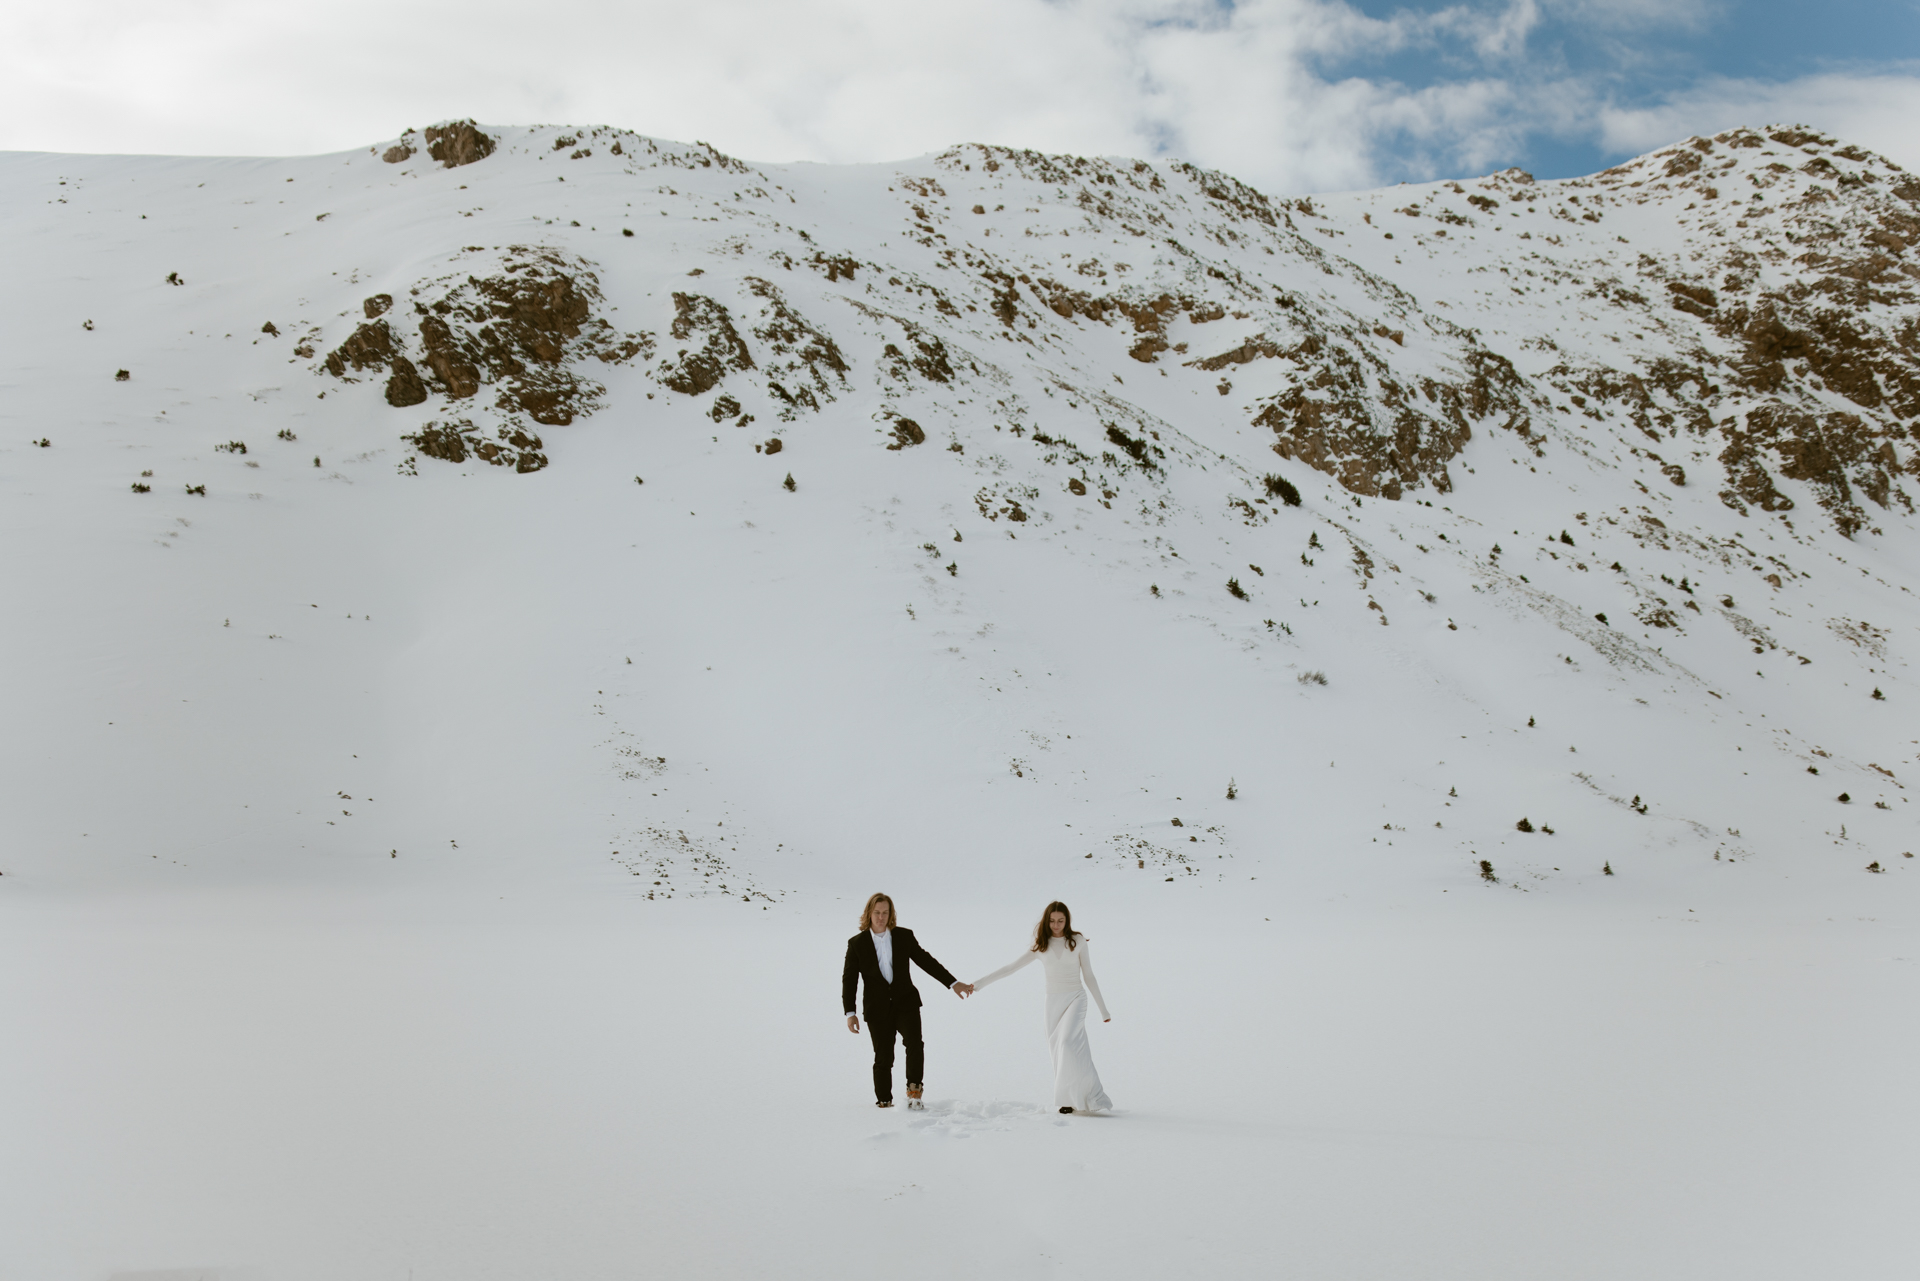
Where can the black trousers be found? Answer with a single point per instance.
(903, 1022)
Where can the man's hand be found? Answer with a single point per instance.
(853, 1022)
(963, 990)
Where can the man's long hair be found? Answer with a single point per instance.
(866, 913)
(1045, 930)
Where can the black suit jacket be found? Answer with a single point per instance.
(882, 997)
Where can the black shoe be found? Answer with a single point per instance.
(884, 1103)
(1065, 1110)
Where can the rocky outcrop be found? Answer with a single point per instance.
(803, 364)
(403, 385)
(694, 370)
(457, 440)
(523, 330)
(458, 143)
(369, 346)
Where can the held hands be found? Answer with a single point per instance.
(963, 990)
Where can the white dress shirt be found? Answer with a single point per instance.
(883, 947)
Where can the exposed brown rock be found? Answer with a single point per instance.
(1258, 347)
(796, 351)
(693, 371)
(1383, 442)
(836, 267)
(1747, 478)
(397, 153)
(404, 386)
(523, 330)
(368, 347)
(1694, 299)
(929, 358)
(1005, 302)
(455, 374)
(458, 143)
(458, 439)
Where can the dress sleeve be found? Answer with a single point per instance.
(1026, 958)
(1093, 984)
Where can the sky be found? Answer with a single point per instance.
(1291, 95)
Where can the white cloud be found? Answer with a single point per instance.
(1241, 87)
(1876, 111)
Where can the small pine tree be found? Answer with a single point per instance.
(1281, 487)
(788, 484)
(1235, 590)
(1523, 826)
(1233, 790)
(1606, 869)
(1486, 872)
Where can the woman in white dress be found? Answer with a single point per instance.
(1076, 1085)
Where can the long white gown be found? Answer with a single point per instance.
(1076, 1084)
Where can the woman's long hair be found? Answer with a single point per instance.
(1045, 931)
(866, 913)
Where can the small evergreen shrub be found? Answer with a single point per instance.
(1282, 488)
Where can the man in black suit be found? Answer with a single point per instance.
(883, 954)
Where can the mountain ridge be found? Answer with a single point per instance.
(1160, 376)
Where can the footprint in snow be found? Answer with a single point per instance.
(962, 1118)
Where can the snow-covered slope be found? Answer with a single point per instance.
(571, 512)
(1588, 495)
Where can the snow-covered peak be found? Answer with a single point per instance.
(1004, 489)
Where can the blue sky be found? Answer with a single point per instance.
(1644, 56)
(1292, 95)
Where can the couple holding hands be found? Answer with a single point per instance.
(882, 954)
